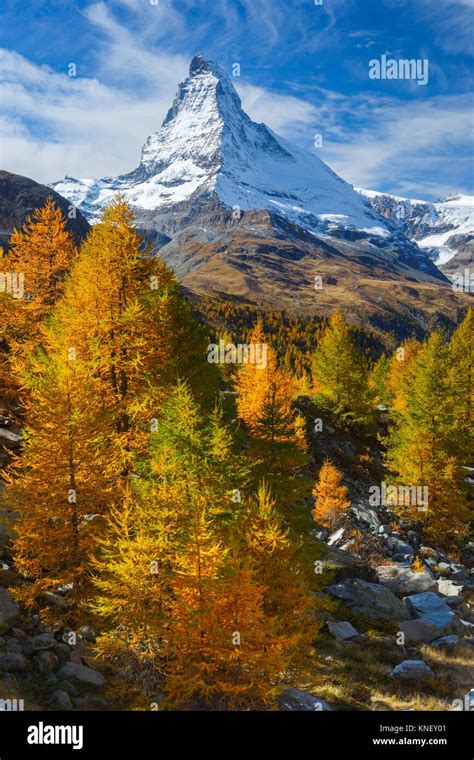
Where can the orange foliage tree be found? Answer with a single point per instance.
(35, 267)
(330, 497)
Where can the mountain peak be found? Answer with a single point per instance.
(208, 146)
(206, 83)
(205, 106)
(201, 65)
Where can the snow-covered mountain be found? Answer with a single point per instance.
(444, 229)
(238, 211)
(207, 144)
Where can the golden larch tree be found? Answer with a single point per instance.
(37, 261)
(330, 495)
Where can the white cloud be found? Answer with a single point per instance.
(283, 113)
(403, 146)
(77, 126)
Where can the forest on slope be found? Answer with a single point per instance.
(173, 514)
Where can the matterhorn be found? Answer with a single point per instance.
(236, 209)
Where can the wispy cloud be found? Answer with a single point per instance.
(405, 147)
(70, 125)
(451, 20)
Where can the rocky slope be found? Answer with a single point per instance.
(444, 229)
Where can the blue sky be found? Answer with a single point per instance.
(303, 70)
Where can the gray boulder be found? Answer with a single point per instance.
(372, 600)
(412, 669)
(19, 634)
(11, 661)
(62, 651)
(14, 646)
(430, 606)
(448, 588)
(80, 675)
(45, 661)
(366, 517)
(38, 643)
(61, 700)
(69, 688)
(445, 642)
(396, 546)
(342, 630)
(418, 630)
(403, 581)
(302, 701)
(9, 610)
(346, 565)
(413, 538)
(7, 577)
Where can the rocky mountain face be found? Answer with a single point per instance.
(445, 229)
(237, 210)
(20, 196)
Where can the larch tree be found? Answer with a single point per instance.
(133, 566)
(254, 380)
(200, 623)
(331, 497)
(226, 653)
(398, 380)
(277, 447)
(58, 488)
(420, 445)
(123, 311)
(340, 374)
(110, 356)
(274, 556)
(32, 279)
(460, 382)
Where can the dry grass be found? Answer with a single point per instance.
(356, 676)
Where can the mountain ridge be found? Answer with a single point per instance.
(443, 228)
(20, 196)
